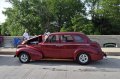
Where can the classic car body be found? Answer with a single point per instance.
(61, 45)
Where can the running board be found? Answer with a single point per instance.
(58, 59)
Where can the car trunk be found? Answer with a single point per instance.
(96, 46)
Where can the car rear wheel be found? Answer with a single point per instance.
(24, 58)
(83, 58)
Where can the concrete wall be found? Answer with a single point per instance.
(101, 39)
(8, 41)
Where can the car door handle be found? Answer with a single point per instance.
(59, 45)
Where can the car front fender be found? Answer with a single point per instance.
(34, 54)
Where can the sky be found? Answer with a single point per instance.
(3, 5)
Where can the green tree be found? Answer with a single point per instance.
(63, 11)
(62, 15)
(109, 15)
(105, 15)
(92, 6)
(26, 14)
(81, 24)
(0, 29)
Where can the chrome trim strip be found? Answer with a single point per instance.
(66, 44)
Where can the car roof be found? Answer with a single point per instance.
(68, 33)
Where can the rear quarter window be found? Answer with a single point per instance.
(78, 38)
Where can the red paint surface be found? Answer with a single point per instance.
(62, 50)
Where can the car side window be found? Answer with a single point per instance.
(66, 38)
(52, 39)
(78, 38)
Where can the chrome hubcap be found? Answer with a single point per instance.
(24, 58)
(83, 58)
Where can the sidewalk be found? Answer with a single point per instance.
(108, 51)
(112, 51)
(7, 51)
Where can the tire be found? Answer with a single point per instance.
(24, 58)
(83, 59)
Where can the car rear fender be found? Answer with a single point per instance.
(83, 51)
(34, 54)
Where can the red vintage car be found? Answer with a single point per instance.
(61, 45)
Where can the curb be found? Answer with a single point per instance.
(7, 53)
(113, 53)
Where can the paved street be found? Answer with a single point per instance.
(11, 68)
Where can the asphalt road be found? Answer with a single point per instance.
(11, 68)
(108, 51)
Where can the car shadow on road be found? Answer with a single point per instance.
(53, 62)
(9, 60)
(105, 63)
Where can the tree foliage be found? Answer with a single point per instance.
(110, 15)
(62, 15)
(105, 15)
(81, 24)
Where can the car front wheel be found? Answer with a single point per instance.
(24, 58)
(83, 59)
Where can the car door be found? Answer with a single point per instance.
(69, 43)
(51, 47)
(67, 47)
